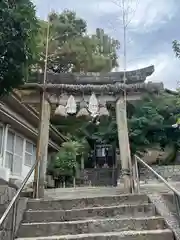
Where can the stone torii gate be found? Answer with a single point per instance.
(107, 87)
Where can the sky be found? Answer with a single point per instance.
(152, 26)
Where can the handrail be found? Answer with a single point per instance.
(14, 199)
(158, 176)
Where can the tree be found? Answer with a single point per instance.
(143, 124)
(150, 123)
(17, 48)
(176, 48)
(72, 49)
(65, 162)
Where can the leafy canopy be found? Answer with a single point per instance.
(71, 48)
(65, 162)
(176, 48)
(18, 28)
(149, 121)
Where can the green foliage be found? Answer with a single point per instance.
(18, 28)
(176, 48)
(149, 121)
(72, 49)
(144, 119)
(65, 162)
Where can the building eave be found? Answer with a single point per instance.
(33, 115)
(8, 118)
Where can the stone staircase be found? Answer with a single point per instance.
(130, 217)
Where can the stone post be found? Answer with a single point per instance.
(42, 148)
(82, 162)
(124, 148)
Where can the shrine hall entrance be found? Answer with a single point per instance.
(105, 171)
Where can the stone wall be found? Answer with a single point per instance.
(6, 195)
(99, 176)
(170, 173)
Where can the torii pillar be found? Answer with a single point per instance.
(124, 147)
(42, 147)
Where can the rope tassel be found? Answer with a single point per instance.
(93, 105)
(61, 109)
(83, 112)
(103, 109)
(71, 106)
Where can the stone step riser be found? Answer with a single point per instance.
(99, 226)
(144, 236)
(87, 202)
(81, 194)
(90, 213)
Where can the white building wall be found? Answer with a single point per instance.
(25, 170)
(5, 172)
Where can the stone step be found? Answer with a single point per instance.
(169, 197)
(67, 204)
(90, 226)
(71, 193)
(120, 211)
(165, 234)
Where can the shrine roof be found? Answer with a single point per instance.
(133, 77)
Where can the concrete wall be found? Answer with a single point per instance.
(6, 195)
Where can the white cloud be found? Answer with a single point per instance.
(143, 14)
(167, 69)
(104, 7)
(149, 13)
(150, 16)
